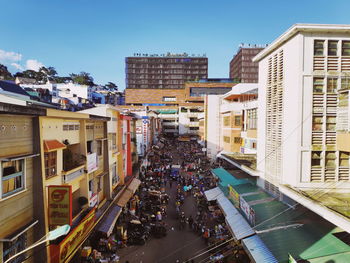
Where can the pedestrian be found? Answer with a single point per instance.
(171, 183)
(190, 221)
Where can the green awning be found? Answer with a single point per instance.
(246, 188)
(167, 111)
(228, 179)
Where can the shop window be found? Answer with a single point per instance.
(316, 159)
(345, 48)
(332, 85)
(254, 145)
(318, 85)
(330, 159)
(12, 248)
(12, 177)
(50, 164)
(318, 47)
(344, 159)
(332, 47)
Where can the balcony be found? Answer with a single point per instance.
(73, 173)
(73, 165)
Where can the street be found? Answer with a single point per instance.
(178, 245)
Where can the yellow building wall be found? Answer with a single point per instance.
(252, 134)
(343, 142)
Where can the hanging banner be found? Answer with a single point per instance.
(60, 205)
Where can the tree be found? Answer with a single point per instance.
(31, 74)
(4, 73)
(83, 78)
(112, 86)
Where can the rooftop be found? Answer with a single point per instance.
(297, 28)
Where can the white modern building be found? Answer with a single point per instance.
(303, 124)
(72, 90)
(189, 120)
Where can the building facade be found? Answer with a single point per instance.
(242, 68)
(169, 71)
(303, 117)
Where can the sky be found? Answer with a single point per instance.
(95, 36)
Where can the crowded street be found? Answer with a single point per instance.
(169, 219)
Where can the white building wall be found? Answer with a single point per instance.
(213, 126)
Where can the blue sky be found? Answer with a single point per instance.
(96, 35)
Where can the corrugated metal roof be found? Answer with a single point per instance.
(237, 223)
(258, 251)
(213, 194)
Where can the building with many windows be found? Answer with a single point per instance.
(242, 68)
(168, 71)
(303, 118)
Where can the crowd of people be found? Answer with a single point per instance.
(181, 168)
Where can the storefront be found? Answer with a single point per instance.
(65, 249)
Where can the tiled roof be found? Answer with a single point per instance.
(53, 145)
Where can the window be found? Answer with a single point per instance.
(169, 98)
(227, 121)
(344, 159)
(194, 119)
(318, 47)
(332, 85)
(316, 159)
(183, 109)
(89, 146)
(113, 138)
(254, 145)
(12, 248)
(50, 164)
(194, 128)
(317, 122)
(238, 120)
(343, 99)
(227, 139)
(12, 177)
(331, 123)
(318, 85)
(330, 159)
(252, 119)
(238, 140)
(332, 47)
(99, 148)
(345, 84)
(115, 177)
(345, 48)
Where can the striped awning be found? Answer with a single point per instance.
(258, 251)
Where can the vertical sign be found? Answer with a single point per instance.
(145, 133)
(60, 205)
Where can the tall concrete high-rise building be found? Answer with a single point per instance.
(166, 71)
(242, 68)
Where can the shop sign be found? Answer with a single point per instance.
(138, 130)
(61, 252)
(233, 195)
(93, 200)
(60, 205)
(248, 211)
(91, 162)
(145, 132)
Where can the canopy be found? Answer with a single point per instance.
(258, 251)
(135, 183)
(213, 194)
(108, 222)
(124, 198)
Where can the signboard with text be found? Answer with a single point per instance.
(60, 253)
(247, 210)
(60, 205)
(233, 195)
(91, 162)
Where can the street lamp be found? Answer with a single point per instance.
(52, 235)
